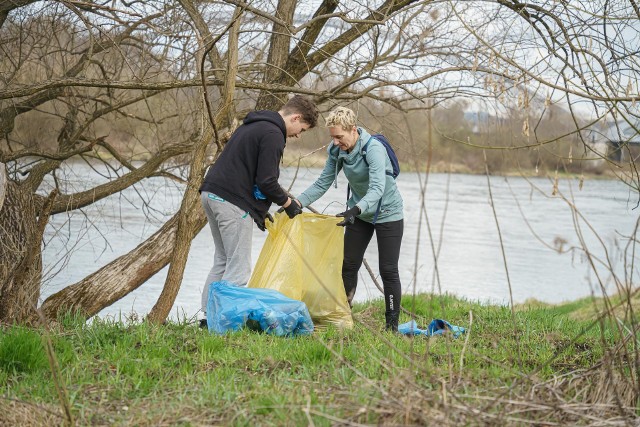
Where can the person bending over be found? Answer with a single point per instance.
(243, 183)
(375, 205)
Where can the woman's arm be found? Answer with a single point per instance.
(322, 184)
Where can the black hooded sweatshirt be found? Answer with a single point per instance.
(252, 156)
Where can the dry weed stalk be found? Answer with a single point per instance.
(20, 413)
(579, 398)
(63, 394)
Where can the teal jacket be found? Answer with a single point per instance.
(368, 184)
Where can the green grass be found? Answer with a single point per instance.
(21, 352)
(119, 373)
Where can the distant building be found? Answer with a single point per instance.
(612, 139)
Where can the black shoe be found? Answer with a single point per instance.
(391, 322)
(203, 324)
(392, 326)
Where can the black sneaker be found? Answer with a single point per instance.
(203, 324)
(391, 324)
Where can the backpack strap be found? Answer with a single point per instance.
(363, 151)
(334, 152)
(364, 156)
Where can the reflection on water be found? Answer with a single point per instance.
(480, 256)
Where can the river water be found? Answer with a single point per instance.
(495, 240)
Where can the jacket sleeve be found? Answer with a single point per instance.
(268, 167)
(376, 157)
(322, 184)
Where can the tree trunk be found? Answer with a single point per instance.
(122, 276)
(4, 182)
(184, 236)
(191, 200)
(20, 253)
(297, 67)
(278, 55)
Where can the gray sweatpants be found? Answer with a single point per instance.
(231, 228)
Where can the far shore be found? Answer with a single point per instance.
(316, 160)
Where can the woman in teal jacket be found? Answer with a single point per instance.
(375, 205)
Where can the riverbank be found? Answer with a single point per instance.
(538, 364)
(316, 160)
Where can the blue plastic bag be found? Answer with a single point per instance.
(229, 307)
(436, 327)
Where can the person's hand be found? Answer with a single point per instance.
(349, 216)
(261, 224)
(294, 208)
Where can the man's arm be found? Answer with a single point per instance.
(269, 154)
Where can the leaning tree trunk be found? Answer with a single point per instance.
(191, 199)
(123, 275)
(279, 46)
(20, 253)
(182, 236)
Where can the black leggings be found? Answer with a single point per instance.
(356, 239)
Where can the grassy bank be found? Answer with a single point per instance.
(539, 364)
(316, 159)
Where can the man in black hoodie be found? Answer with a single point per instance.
(243, 182)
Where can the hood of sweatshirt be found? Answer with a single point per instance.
(267, 116)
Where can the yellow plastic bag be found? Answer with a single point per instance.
(302, 258)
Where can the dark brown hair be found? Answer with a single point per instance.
(304, 106)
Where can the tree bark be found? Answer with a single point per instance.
(4, 182)
(205, 34)
(20, 255)
(183, 235)
(191, 200)
(81, 199)
(278, 54)
(310, 36)
(122, 276)
(297, 67)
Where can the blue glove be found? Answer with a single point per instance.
(349, 216)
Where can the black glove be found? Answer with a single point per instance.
(261, 224)
(294, 208)
(349, 216)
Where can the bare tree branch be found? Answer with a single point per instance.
(68, 202)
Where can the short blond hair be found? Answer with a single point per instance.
(341, 116)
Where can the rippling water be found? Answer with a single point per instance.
(479, 255)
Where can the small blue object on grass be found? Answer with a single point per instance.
(436, 327)
(229, 307)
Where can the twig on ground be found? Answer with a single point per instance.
(63, 394)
